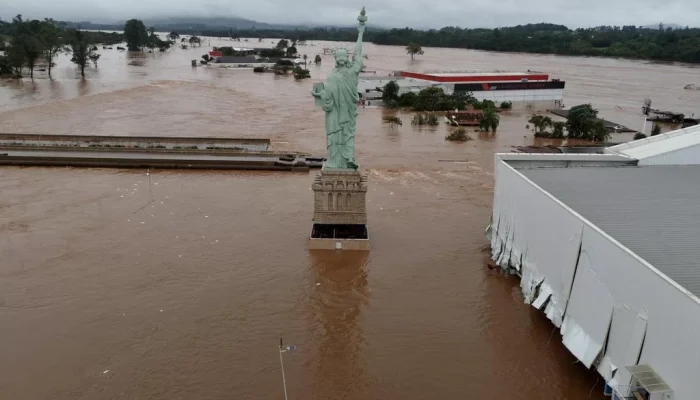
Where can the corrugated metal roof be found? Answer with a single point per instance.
(659, 144)
(652, 210)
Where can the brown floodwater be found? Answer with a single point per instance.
(117, 284)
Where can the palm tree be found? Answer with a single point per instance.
(305, 58)
(489, 120)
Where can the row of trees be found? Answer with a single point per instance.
(435, 99)
(609, 41)
(581, 123)
(34, 41)
(428, 99)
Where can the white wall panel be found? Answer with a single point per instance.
(651, 314)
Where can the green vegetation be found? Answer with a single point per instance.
(583, 123)
(506, 105)
(53, 45)
(639, 135)
(83, 51)
(282, 67)
(393, 121)
(606, 41)
(195, 41)
(138, 37)
(541, 123)
(489, 120)
(301, 73)
(414, 48)
(272, 53)
(425, 119)
(428, 99)
(33, 41)
(390, 92)
(558, 130)
(459, 135)
(656, 130)
(135, 34)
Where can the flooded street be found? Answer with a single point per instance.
(117, 284)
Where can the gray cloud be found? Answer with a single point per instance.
(388, 13)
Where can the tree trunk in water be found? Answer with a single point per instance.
(31, 72)
(50, 69)
(82, 70)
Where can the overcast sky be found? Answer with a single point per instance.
(386, 13)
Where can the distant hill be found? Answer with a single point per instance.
(180, 23)
(190, 24)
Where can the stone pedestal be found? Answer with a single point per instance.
(340, 216)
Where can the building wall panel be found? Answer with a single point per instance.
(536, 234)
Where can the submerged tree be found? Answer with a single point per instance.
(27, 40)
(489, 120)
(581, 122)
(82, 51)
(135, 34)
(541, 123)
(413, 48)
(52, 41)
(390, 92)
(558, 130)
(282, 44)
(194, 40)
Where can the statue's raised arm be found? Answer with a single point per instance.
(357, 55)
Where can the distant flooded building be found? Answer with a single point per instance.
(515, 87)
(606, 245)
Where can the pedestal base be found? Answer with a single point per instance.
(340, 217)
(339, 237)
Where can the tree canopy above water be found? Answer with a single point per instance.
(606, 41)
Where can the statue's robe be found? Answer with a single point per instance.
(339, 100)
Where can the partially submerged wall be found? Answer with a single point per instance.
(613, 308)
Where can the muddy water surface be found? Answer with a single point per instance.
(117, 284)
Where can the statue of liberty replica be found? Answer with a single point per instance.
(338, 98)
(339, 191)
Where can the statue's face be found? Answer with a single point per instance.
(341, 58)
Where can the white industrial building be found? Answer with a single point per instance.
(608, 246)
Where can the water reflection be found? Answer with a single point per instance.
(136, 58)
(83, 87)
(339, 297)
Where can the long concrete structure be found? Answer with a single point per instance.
(148, 152)
(126, 159)
(606, 246)
(8, 140)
